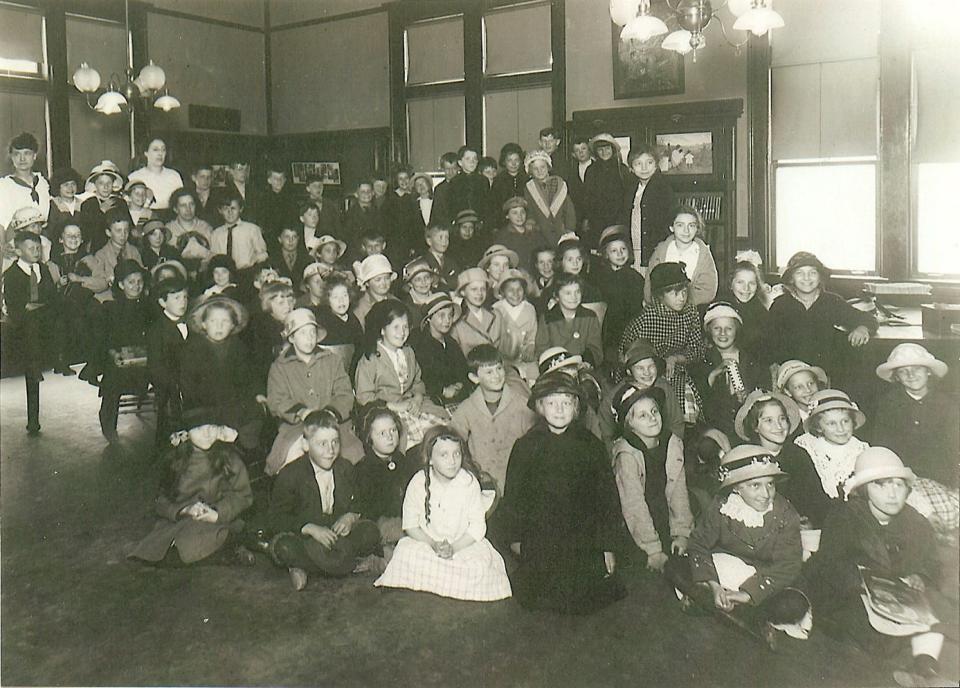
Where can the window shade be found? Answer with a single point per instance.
(23, 112)
(518, 39)
(21, 36)
(818, 31)
(515, 116)
(101, 44)
(436, 125)
(435, 50)
(936, 75)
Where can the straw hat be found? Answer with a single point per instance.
(877, 463)
(613, 233)
(175, 265)
(790, 368)
(499, 250)
(24, 217)
(195, 318)
(150, 226)
(829, 399)
(758, 396)
(604, 139)
(437, 304)
(417, 266)
(909, 354)
(514, 202)
(720, 309)
(371, 266)
(510, 275)
(314, 269)
(555, 358)
(330, 239)
(108, 168)
(747, 462)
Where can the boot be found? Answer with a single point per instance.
(33, 405)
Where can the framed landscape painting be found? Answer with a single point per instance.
(643, 68)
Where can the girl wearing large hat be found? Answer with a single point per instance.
(811, 324)
(877, 529)
(745, 552)
(561, 511)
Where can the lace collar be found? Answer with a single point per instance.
(739, 510)
(834, 462)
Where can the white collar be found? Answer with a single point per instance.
(28, 267)
(739, 510)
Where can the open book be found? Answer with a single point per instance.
(896, 601)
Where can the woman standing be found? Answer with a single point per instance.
(162, 181)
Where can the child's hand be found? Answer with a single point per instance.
(74, 277)
(261, 399)
(679, 545)
(859, 336)
(302, 414)
(207, 514)
(450, 391)
(345, 524)
(324, 536)
(446, 550)
(398, 406)
(671, 362)
(656, 562)
(721, 596)
(738, 597)
(717, 372)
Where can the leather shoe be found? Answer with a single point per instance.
(298, 577)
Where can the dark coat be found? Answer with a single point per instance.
(218, 376)
(330, 222)
(151, 257)
(294, 273)
(358, 220)
(165, 345)
(756, 320)
(811, 335)
(380, 489)
(561, 504)
(925, 433)
(773, 549)
(604, 188)
(226, 491)
(656, 211)
(720, 406)
(29, 334)
(472, 191)
(442, 365)
(94, 221)
(264, 338)
(504, 188)
(803, 487)
(125, 325)
(578, 191)
(276, 211)
(622, 290)
(295, 497)
(467, 254)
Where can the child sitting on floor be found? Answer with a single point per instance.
(303, 379)
(519, 318)
(312, 286)
(648, 465)
(445, 376)
(313, 515)
(388, 371)
(445, 550)
(570, 324)
(200, 506)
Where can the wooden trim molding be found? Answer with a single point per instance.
(326, 20)
(758, 147)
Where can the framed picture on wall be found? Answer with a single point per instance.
(685, 153)
(643, 68)
(329, 172)
(220, 175)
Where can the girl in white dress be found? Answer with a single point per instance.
(445, 550)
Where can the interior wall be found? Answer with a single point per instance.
(290, 11)
(209, 64)
(718, 73)
(323, 81)
(249, 12)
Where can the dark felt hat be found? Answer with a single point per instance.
(629, 394)
(803, 259)
(125, 268)
(62, 176)
(639, 350)
(666, 275)
(553, 383)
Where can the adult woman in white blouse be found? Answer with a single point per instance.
(162, 181)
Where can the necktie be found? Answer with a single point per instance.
(230, 241)
(34, 284)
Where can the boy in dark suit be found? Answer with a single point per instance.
(312, 508)
(165, 340)
(31, 294)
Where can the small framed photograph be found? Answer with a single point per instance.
(685, 153)
(329, 172)
(220, 175)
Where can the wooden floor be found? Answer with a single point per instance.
(76, 612)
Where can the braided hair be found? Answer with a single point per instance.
(430, 439)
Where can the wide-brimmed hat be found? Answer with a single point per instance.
(555, 358)
(909, 354)
(639, 350)
(514, 202)
(24, 217)
(437, 304)
(299, 318)
(803, 259)
(151, 226)
(535, 155)
(132, 184)
(421, 175)
(199, 416)
(469, 276)
(790, 368)
(195, 317)
(553, 383)
(747, 462)
(877, 463)
(330, 239)
(108, 168)
(371, 266)
(499, 250)
(629, 394)
(62, 176)
(613, 233)
(315, 269)
(606, 139)
(720, 309)
(173, 264)
(126, 267)
(417, 266)
(511, 275)
(466, 215)
(759, 396)
(666, 275)
(830, 399)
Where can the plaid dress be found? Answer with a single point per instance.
(671, 332)
(457, 508)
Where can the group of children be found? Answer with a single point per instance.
(510, 411)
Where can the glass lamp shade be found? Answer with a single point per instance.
(152, 77)
(166, 102)
(141, 87)
(643, 28)
(738, 7)
(622, 11)
(109, 103)
(759, 20)
(86, 79)
(678, 41)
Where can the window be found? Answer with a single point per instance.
(436, 126)
(517, 40)
(515, 115)
(21, 43)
